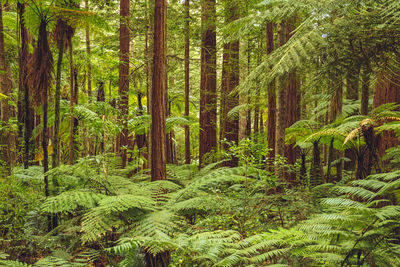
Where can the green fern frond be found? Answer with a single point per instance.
(71, 200)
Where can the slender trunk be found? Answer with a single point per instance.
(27, 110)
(71, 104)
(149, 68)
(101, 97)
(208, 111)
(123, 90)
(158, 111)
(365, 88)
(57, 96)
(187, 54)
(303, 169)
(271, 98)
(141, 140)
(316, 168)
(89, 65)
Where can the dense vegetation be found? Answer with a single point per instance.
(199, 133)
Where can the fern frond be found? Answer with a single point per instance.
(71, 200)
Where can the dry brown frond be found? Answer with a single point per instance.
(353, 134)
(40, 67)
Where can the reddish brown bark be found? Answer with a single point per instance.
(387, 90)
(208, 110)
(123, 89)
(5, 108)
(281, 105)
(187, 54)
(27, 112)
(271, 98)
(158, 111)
(230, 79)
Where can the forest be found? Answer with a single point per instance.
(199, 133)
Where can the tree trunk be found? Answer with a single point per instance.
(187, 103)
(141, 140)
(101, 97)
(208, 110)
(365, 88)
(316, 168)
(149, 68)
(4, 106)
(387, 90)
(71, 104)
(5, 135)
(122, 139)
(26, 110)
(293, 115)
(281, 116)
(89, 65)
(352, 84)
(158, 111)
(335, 111)
(57, 97)
(230, 79)
(271, 98)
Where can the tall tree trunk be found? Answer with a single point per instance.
(123, 90)
(158, 111)
(26, 110)
(40, 75)
(230, 79)
(352, 86)
(5, 108)
(208, 109)
(281, 116)
(271, 98)
(293, 115)
(149, 68)
(89, 65)
(187, 103)
(57, 97)
(71, 105)
(387, 90)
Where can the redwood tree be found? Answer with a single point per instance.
(230, 79)
(158, 111)
(271, 97)
(208, 110)
(122, 139)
